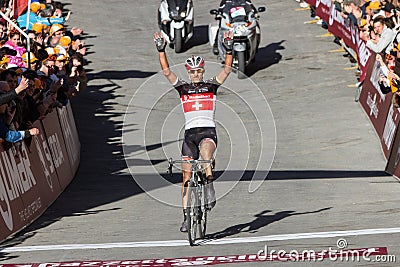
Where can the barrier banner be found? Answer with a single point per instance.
(57, 148)
(28, 184)
(34, 172)
(10, 191)
(39, 167)
(70, 134)
(75, 135)
(390, 129)
(19, 7)
(392, 165)
(377, 105)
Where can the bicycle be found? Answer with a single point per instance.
(196, 205)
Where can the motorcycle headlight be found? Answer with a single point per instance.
(240, 30)
(183, 14)
(174, 14)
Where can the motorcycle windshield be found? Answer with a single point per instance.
(177, 5)
(237, 10)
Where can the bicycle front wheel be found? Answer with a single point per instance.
(202, 212)
(192, 213)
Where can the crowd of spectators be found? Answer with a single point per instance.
(378, 22)
(36, 79)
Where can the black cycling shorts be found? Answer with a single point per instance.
(193, 139)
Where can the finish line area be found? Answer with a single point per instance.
(340, 252)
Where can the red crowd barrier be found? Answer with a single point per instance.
(33, 175)
(378, 106)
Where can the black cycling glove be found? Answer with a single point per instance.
(228, 44)
(160, 44)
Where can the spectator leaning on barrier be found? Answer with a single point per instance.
(9, 76)
(12, 94)
(381, 37)
(7, 112)
(8, 115)
(50, 82)
(77, 74)
(61, 72)
(387, 80)
(11, 135)
(352, 11)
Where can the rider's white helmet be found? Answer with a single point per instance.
(194, 62)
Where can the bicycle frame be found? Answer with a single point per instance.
(196, 210)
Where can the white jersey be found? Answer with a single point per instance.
(198, 102)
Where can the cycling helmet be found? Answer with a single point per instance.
(194, 62)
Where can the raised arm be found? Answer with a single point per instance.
(228, 44)
(160, 45)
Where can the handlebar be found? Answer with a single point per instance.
(189, 161)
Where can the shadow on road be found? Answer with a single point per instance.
(97, 181)
(89, 191)
(265, 57)
(119, 75)
(261, 219)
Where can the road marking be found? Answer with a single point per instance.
(328, 34)
(314, 21)
(350, 255)
(338, 50)
(302, 8)
(180, 243)
(351, 68)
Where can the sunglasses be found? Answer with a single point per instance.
(196, 70)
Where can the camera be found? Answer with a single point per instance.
(370, 28)
(8, 51)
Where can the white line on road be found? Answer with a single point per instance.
(180, 243)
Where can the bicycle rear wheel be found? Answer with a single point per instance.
(192, 213)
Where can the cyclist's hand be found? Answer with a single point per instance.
(228, 41)
(159, 41)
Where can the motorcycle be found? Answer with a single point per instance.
(175, 19)
(240, 17)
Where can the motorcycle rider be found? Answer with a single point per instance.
(164, 19)
(198, 98)
(221, 7)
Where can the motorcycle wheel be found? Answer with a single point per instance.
(241, 65)
(178, 40)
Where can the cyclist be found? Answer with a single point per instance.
(198, 98)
